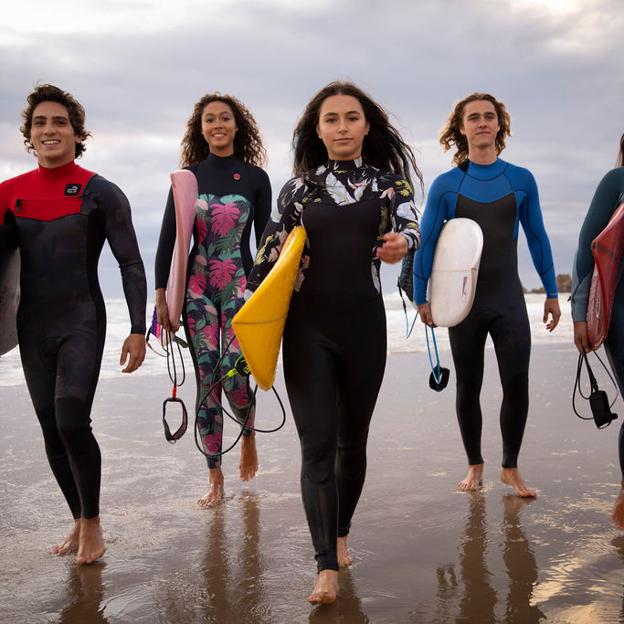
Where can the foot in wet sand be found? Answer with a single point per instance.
(248, 458)
(325, 589)
(473, 480)
(91, 546)
(511, 476)
(342, 553)
(70, 543)
(215, 492)
(618, 510)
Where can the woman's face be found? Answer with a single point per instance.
(218, 127)
(342, 127)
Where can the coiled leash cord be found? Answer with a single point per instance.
(240, 368)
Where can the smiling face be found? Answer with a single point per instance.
(342, 127)
(480, 125)
(218, 127)
(52, 135)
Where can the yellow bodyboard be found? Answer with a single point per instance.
(259, 324)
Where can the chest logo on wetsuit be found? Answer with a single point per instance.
(72, 189)
(236, 176)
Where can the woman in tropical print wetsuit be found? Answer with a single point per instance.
(223, 148)
(353, 195)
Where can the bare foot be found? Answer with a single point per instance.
(325, 589)
(248, 458)
(511, 476)
(70, 544)
(473, 480)
(618, 510)
(216, 492)
(342, 553)
(91, 546)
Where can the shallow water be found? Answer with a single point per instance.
(422, 551)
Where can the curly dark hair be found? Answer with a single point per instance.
(451, 135)
(620, 160)
(75, 112)
(383, 146)
(247, 140)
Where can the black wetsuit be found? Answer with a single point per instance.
(499, 197)
(59, 218)
(233, 195)
(335, 337)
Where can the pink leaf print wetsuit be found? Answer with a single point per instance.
(237, 196)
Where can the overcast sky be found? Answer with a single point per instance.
(138, 66)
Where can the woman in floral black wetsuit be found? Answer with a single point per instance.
(353, 195)
(222, 147)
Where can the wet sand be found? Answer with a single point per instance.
(422, 551)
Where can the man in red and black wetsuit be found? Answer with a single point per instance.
(59, 216)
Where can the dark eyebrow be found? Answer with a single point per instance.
(54, 118)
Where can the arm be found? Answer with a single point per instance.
(430, 225)
(123, 243)
(405, 235)
(262, 206)
(539, 246)
(281, 223)
(162, 264)
(605, 200)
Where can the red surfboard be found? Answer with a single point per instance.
(607, 249)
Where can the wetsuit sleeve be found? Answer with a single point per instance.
(262, 206)
(539, 245)
(166, 243)
(605, 199)
(123, 243)
(403, 213)
(430, 225)
(8, 230)
(289, 210)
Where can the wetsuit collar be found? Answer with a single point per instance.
(486, 172)
(57, 173)
(220, 162)
(344, 165)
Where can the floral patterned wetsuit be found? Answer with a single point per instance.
(235, 195)
(335, 336)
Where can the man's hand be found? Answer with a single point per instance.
(133, 349)
(424, 311)
(551, 306)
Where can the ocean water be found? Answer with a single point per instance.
(118, 326)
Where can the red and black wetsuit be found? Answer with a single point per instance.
(59, 218)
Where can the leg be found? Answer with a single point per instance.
(359, 379)
(614, 347)
(237, 388)
(512, 342)
(310, 374)
(467, 346)
(201, 323)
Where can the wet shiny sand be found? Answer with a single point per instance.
(422, 551)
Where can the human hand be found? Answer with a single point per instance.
(424, 311)
(132, 352)
(393, 249)
(551, 306)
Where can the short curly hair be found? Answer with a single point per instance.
(451, 134)
(75, 112)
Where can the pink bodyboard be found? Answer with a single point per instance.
(607, 249)
(186, 202)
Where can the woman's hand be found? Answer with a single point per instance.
(162, 313)
(551, 306)
(580, 337)
(393, 249)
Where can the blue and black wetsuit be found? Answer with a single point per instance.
(59, 218)
(499, 197)
(609, 195)
(335, 336)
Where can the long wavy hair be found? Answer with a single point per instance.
(451, 135)
(247, 140)
(383, 146)
(620, 160)
(75, 112)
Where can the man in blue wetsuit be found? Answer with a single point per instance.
(499, 196)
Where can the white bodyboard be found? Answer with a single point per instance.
(453, 280)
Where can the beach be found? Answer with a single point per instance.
(422, 551)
